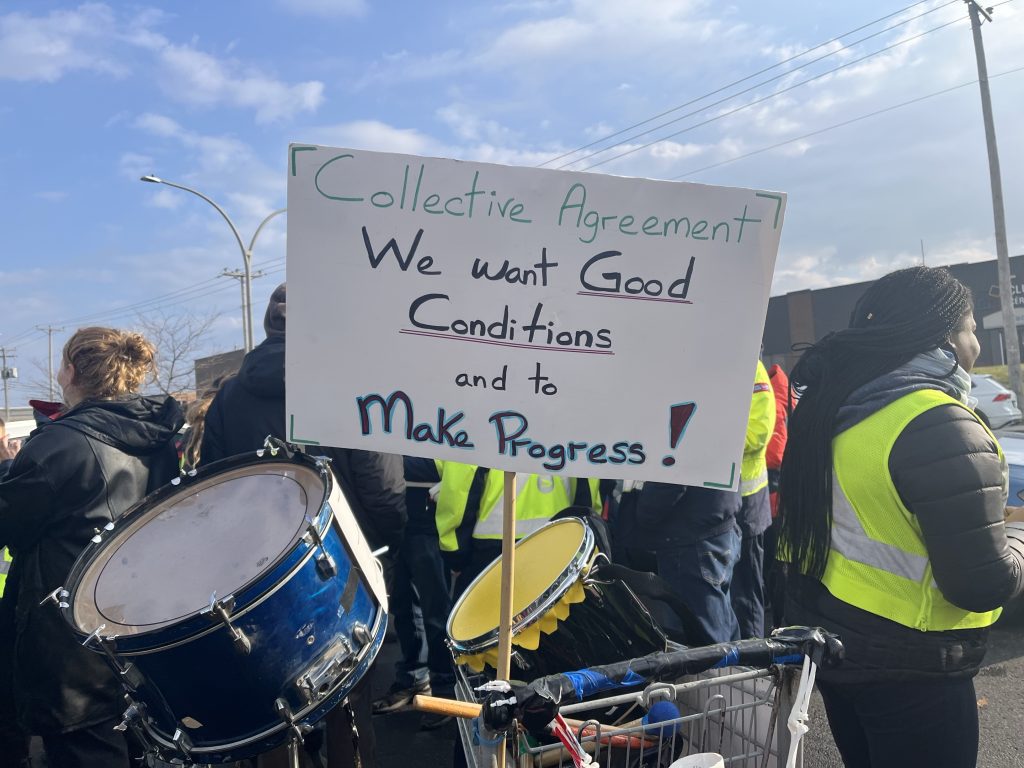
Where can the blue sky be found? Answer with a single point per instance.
(94, 95)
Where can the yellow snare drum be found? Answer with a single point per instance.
(563, 619)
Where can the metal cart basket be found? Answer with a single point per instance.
(738, 712)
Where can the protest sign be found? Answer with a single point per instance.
(525, 319)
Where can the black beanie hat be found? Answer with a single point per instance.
(273, 321)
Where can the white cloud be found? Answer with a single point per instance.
(223, 167)
(468, 125)
(602, 29)
(377, 136)
(194, 77)
(93, 38)
(45, 48)
(52, 196)
(215, 153)
(325, 8)
(165, 198)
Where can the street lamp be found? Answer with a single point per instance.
(246, 253)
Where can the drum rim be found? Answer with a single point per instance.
(94, 548)
(533, 612)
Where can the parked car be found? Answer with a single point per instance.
(1012, 444)
(997, 405)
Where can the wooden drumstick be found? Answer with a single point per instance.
(449, 707)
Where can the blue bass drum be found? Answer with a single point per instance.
(238, 605)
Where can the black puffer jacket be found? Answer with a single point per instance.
(947, 471)
(73, 476)
(251, 406)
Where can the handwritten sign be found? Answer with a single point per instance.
(525, 319)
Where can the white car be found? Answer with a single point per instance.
(997, 405)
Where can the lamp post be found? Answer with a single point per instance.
(246, 253)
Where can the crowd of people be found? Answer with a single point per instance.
(871, 502)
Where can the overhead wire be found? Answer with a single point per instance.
(763, 99)
(843, 124)
(755, 74)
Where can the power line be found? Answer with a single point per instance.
(756, 74)
(763, 99)
(842, 124)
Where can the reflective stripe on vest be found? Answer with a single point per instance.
(754, 484)
(538, 499)
(851, 541)
(878, 561)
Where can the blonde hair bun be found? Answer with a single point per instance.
(109, 362)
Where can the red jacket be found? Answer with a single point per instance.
(777, 444)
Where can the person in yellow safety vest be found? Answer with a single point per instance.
(893, 506)
(470, 502)
(747, 590)
(5, 567)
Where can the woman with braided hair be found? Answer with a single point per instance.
(893, 497)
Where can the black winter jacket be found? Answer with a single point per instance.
(73, 476)
(948, 474)
(251, 406)
(666, 515)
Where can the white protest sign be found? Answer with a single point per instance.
(524, 319)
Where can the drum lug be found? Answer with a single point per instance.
(130, 717)
(182, 742)
(361, 633)
(220, 610)
(325, 564)
(99, 533)
(317, 680)
(133, 719)
(273, 446)
(298, 732)
(58, 596)
(130, 676)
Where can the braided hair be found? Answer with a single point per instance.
(901, 315)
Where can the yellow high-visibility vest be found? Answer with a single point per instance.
(878, 561)
(760, 425)
(538, 499)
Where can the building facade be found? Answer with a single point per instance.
(804, 317)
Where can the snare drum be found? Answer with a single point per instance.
(562, 618)
(239, 605)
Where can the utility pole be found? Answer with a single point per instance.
(5, 375)
(244, 280)
(1010, 336)
(49, 330)
(923, 264)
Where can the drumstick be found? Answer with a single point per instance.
(449, 707)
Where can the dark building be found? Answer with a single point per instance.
(209, 369)
(806, 316)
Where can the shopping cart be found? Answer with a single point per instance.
(744, 714)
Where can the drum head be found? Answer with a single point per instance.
(216, 535)
(547, 563)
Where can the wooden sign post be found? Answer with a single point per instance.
(508, 570)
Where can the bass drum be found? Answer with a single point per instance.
(238, 605)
